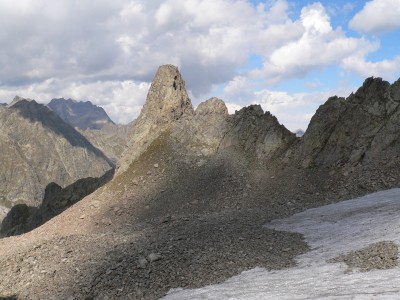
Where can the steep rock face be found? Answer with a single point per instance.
(167, 102)
(360, 129)
(212, 130)
(110, 139)
(37, 148)
(257, 133)
(200, 135)
(83, 115)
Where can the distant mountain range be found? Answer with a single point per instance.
(37, 147)
(83, 115)
(93, 122)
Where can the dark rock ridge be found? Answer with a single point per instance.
(344, 132)
(362, 129)
(23, 218)
(258, 133)
(83, 115)
(38, 147)
(211, 130)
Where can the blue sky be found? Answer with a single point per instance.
(288, 56)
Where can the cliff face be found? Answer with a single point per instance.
(38, 148)
(362, 129)
(258, 133)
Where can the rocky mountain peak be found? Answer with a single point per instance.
(355, 130)
(257, 132)
(167, 99)
(83, 115)
(166, 103)
(212, 106)
(19, 99)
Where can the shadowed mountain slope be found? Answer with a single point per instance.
(362, 129)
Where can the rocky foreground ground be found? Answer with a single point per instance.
(172, 225)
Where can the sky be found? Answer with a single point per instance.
(288, 56)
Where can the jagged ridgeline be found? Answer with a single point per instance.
(360, 130)
(344, 132)
(83, 115)
(197, 135)
(38, 147)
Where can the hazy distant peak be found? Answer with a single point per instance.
(83, 115)
(299, 132)
(18, 99)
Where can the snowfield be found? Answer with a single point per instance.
(329, 231)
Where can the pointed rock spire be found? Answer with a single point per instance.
(167, 102)
(167, 99)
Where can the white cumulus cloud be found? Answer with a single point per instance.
(109, 52)
(318, 47)
(377, 16)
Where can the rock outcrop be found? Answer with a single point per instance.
(258, 133)
(199, 135)
(361, 129)
(166, 103)
(37, 147)
(82, 115)
(211, 129)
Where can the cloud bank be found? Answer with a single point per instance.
(108, 51)
(377, 16)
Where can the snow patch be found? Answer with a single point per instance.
(329, 231)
